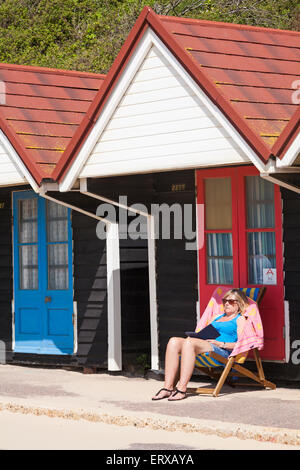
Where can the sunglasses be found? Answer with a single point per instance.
(230, 301)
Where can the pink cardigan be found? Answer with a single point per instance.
(252, 335)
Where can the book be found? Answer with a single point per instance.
(209, 332)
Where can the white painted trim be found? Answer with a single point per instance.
(151, 39)
(287, 331)
(13, 331)
(16, 160)
(152, 293)
(75, 328)
(291, 154)
(284, 184)
(13, 279)
(197, 241)
(113, 297)
(71, 206)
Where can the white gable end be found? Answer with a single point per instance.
(10, 173)
(160, 124)
(157, 118)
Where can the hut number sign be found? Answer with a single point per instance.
(269, 276)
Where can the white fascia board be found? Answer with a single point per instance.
(151, 39)
(17, 161)
(291, 154)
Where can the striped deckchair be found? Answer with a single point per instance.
(251, 339)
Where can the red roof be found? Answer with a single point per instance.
(246, 71)
(42, 111)
(252, 68)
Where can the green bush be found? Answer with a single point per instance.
(88, 34)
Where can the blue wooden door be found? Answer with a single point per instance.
(43, 282)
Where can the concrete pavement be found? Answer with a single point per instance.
(271, 416)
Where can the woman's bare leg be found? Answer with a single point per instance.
(190, 348)
(173, 351)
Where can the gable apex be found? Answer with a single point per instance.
(176, 99)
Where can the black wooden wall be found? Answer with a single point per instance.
(291, 253)
(176, 268)
(89, 260)
(6, 272)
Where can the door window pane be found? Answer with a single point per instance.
(260, 203)
(260, 215)
(28, 249)
(218, 205)
(219, 258)
(58, 266)
(28, 220)
(261, 255)
(57, 233)
(28, 266)
(57, 222)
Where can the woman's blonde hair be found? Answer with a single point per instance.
(241, 298)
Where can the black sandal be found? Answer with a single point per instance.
(175, 393)
(162, 389)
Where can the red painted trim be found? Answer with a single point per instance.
(21, 151)
(287, 136)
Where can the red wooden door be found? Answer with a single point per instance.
(243, 243)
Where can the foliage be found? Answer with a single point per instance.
(88, 34)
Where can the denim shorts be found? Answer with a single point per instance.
(223, 352)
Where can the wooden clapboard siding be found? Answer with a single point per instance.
(291, 256)
(90, 291)
(9, 173)
(177, 292)
(160, 124)
(135, 311)
(176, 268)
(291, 239)
(6, 274)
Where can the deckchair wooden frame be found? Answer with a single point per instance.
(229, 364)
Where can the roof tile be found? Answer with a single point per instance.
(253, 68)
(43, 108)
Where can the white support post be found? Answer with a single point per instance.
(114, 298)
(152, 292)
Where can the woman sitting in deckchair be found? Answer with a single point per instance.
(230, 325)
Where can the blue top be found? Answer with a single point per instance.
(227, 329)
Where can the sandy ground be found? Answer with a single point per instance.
(30, 432)
(51, 408)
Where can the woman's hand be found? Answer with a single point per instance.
(217, 343)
